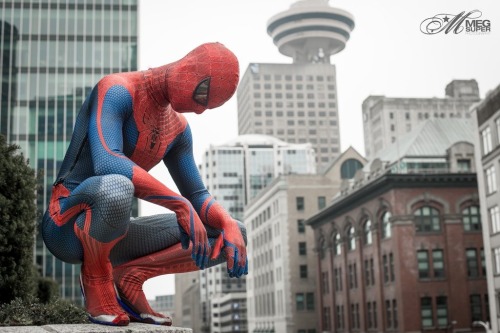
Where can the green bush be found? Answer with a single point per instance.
(31, 312)
(17, 224)
(48, 289)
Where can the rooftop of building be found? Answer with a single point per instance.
(429, 139)
(260, 140)
(423, 151)
(464, 90)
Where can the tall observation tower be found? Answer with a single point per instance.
(297, 102)
(311, 31)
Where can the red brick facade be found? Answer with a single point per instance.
(382, 288)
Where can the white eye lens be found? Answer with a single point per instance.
(200, 94)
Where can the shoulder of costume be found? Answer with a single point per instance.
(118, 79)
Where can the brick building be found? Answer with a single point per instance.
(401, 248)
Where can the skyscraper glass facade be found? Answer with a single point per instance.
(52, 53)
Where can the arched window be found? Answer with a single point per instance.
(367, 232)
(351, 236)
(471, 218)
(349, 168)
(427, 219)
(386, 225)
(337, 246)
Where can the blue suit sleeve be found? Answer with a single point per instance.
(182, 167)
(106, 131)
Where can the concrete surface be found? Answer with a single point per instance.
(94, 328)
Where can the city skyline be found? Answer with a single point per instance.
(390, 57)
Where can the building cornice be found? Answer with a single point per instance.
(386, 183)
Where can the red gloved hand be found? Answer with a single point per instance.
(194, 231)
(231, 241)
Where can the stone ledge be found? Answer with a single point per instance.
(94, 328)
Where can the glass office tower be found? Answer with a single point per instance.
(52, 53)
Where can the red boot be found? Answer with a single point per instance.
(96, 282)
(130, 277)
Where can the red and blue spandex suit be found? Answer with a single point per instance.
(129, 123)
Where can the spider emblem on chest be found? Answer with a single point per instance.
(153, 133)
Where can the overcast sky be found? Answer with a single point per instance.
(387, 54)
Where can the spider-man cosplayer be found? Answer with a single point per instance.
(128, 124)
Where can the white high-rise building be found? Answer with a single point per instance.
(235, 172)
(486, 118)
(297, 102)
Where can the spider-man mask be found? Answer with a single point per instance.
(204, 79)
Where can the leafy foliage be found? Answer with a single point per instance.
(48, 290)
(17, 224)
(30, 312)
(19, 281)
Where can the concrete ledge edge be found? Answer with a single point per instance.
(94, 328)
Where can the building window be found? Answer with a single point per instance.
(301, 227)
(310, 301)
(322, 247)
(472, 264)
(388, 313)
(338, 279)
(337, 245)
(300, 302)
(326, 319)
(486, 140)
(427, 219)
(386, 225)
(353, 277)
(325, 283)
(355, 316)
(340, 317)
(372, 271)
(391, 267)
(303, 271)
(385, 263)
(321, 202)
(367, 272)
(483, 262)
(426, 312)
(496, 262)
(476, 310)
(349, 167)
(491, 180)
(442, 311)
(463, 165)
(423, 264)
(299, 203)
(498, 129)
(395, 313)
(438, 263)
(369, 314)
(367, 232)
(375, 314)
(351, 234)
(471, 218)
(302, 248)
(494, 214)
